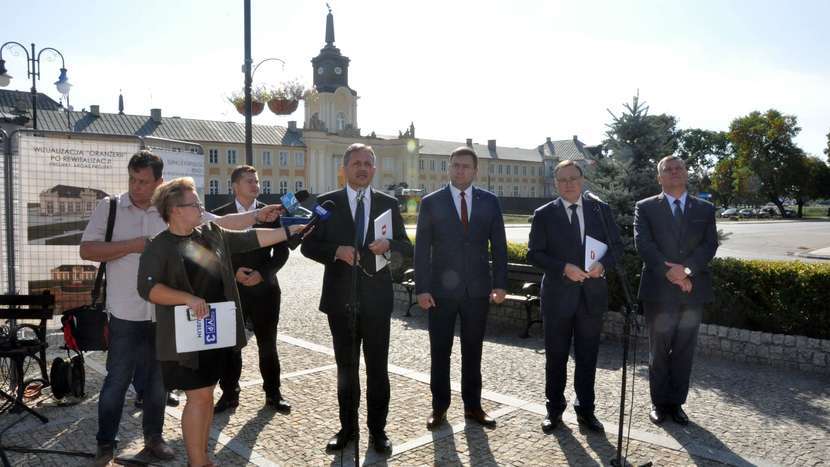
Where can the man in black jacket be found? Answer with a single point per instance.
(331, 243)
(259, 293)
(675, 235)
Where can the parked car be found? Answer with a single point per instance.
(729, 213)
(746, 212)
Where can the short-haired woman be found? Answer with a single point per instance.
(190, 264)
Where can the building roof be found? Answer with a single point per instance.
(68, 191)
(22, 100)
(571, 149)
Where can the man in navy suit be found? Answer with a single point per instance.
(675, 235)
(456, 224)
(573, 299)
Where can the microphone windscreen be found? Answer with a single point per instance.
(302, 195)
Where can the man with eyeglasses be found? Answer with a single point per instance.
(259, 294)
(131, 318)
(457, 225)
(573, 300)
(331, 243)
(676, 237)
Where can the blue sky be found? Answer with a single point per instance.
(514, 71)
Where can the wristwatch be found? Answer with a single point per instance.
(687, 271)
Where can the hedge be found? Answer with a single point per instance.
(781, 297)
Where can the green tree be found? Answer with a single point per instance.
(702, 150)
(827, 149)
(764, 145)
(814, 184)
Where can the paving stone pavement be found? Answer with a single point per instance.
(741, 414)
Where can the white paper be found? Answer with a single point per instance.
(594, 251)
(383, 229)
(215, 331)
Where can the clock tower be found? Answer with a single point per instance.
(334, 107)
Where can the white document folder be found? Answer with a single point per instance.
(215, 331)
(383, 229)
(594, 251)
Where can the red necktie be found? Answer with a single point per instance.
(464, 216)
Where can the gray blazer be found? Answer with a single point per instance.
(693, 244)
(451, 263)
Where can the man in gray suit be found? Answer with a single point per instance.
(456, 224)
(676, 237)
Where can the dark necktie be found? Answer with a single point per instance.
(464, 216)
(575, 224)
(359, 221)
(678, 213)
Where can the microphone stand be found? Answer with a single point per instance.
(618, 461)
(354, 310)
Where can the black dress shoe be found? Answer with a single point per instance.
(480, 416)
(436, 419)
(590, 422)
(679, 416)
(172, 400)
(657, 415)
(339, 441)
(381, 443)
(278, 403)
(226, 402)
(551, 422)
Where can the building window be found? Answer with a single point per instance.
(507, 170)
(299, 159)
(501, 190)
(213, 156)
(524, 171)
(420, 164)
(516, 190)
(298, 185)
(231, 156)
(432, 165)
(283, 187)
(283, 158)
(532, 191)
(266, 187)
(266, 157)
(341, 121)
(490, 169)
(422, 187)
(213, 187)
(444, 166)
(500, 169)
(230, 186)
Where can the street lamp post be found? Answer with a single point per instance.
(33, 71)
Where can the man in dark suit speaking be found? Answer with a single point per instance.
(675, 235)
(331, 243)
(259, 294)
(456, 224)
(573, 299)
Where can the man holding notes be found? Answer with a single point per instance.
(568, 241)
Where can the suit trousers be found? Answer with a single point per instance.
(265, 317)
(373, 332)
(584, 329)
(473, 312)
(672, 337)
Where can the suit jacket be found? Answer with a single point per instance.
(267, 261)
(693, 244)
(452, 263)
(552, 245)
(339, 230)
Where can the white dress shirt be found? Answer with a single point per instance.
(671, 199)
(367, 206)
(240, 208)
(579, 214)
(468, 197)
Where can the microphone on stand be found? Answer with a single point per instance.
(321, 213)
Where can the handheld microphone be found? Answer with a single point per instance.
(291, 201)
(592, 197)
(320, 214)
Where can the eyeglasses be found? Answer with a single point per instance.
(568, 180)
(197, 205)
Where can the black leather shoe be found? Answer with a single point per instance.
(139, 402)
(480, 416)
(172, 400)
(679, 416)
(104, 454)
(226, 402)
(436, 419)
(278, 403)
(590, 422)
(381, 443)
(551, 422)
(339, 441)
(657, 415)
